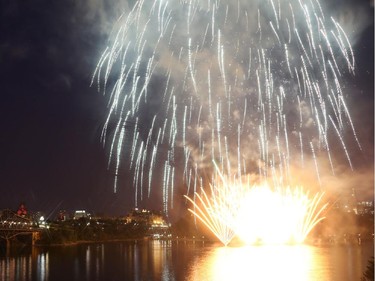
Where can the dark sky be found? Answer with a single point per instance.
(51, 118)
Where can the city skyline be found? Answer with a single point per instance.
(52, 119)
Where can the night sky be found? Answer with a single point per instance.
(51, 119)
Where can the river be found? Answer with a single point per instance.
(166, 260)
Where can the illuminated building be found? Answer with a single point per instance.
(81, 214)
(154, 221)
(365, 207)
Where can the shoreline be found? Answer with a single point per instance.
(79, 242)
(234, 244)
(315, 243)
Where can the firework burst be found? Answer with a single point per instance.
(252, 85)
(257, 213)
(282, 215)
(219, 210)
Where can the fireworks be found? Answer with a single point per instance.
(278, 216)
(253, 85)
(258, 214)
(219, 210)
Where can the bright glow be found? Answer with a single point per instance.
(273, 262)
(258, 214)
(278, 216)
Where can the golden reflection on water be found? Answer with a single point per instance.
(169, 261)
(271, 262)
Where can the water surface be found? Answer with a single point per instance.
(167, 260)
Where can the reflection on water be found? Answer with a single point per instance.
(166, 260)
(293, 263)
(282, 262)
(22, 267)
(42, 265)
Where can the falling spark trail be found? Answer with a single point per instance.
(342, 142)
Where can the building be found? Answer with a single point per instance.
(157, 225)
(78, 214)
(365, 207)
(347, 202)
(62, 215)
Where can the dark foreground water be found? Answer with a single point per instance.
(166, 260)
